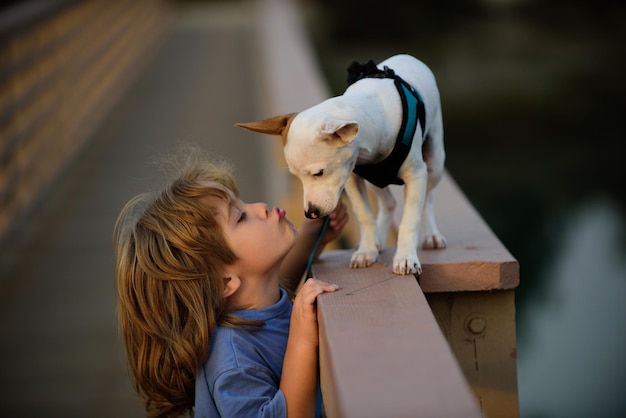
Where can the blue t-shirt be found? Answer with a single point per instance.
(241, 377)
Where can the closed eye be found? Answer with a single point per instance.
(238, 214)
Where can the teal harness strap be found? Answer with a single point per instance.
(385, 172)
(414, 110)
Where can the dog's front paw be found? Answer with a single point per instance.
(406, 265)
(434, 242)
(362, 259)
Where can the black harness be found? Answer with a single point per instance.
(385, 172)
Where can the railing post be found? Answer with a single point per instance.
(480, 328)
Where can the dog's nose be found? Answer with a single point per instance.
(312, 213)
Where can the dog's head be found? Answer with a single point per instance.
(319, 151)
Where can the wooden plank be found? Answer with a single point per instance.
(475, 258)
(382, 353)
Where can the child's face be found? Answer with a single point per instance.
(258, 235)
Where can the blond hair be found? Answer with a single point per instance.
(170, 256)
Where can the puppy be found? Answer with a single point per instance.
(387, 128)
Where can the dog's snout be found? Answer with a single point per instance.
(313, 212)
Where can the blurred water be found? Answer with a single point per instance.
(532, 96)
(571, 358)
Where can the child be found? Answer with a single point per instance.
(202, 285)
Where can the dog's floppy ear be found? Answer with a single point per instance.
(271, 126)
(341, 129)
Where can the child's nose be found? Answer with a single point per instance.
(262, 209)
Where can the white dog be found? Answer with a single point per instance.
(387, 128)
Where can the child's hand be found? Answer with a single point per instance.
(303, 328)
(300, 366)
(295, 263)
(338, 219)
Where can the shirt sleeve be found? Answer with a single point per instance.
(248, 393)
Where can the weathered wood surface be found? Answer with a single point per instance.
(479, 328)
(469, 288)
(475, 259)
(382, 353)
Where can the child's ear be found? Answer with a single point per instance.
(231, 285)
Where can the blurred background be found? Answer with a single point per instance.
(532, 94)
(533, 101)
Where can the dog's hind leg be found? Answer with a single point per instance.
(405, 261)
(429, 233)
(386, 207)
(367, 251)
(434, 157)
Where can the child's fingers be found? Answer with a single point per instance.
(313, 288)
(339, 211)
(339, 216)
(320, 284)
(339, 222)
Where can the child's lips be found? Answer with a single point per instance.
(280, 212)
(281, 217)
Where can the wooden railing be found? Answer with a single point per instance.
(63, 65)
(380, 337)
(390, 346)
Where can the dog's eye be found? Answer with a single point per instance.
(319, 173)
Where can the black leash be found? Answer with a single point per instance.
(317, 246)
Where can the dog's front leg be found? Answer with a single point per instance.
(367, 251)
(405, 260)
(429, 233)
(386, 208)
